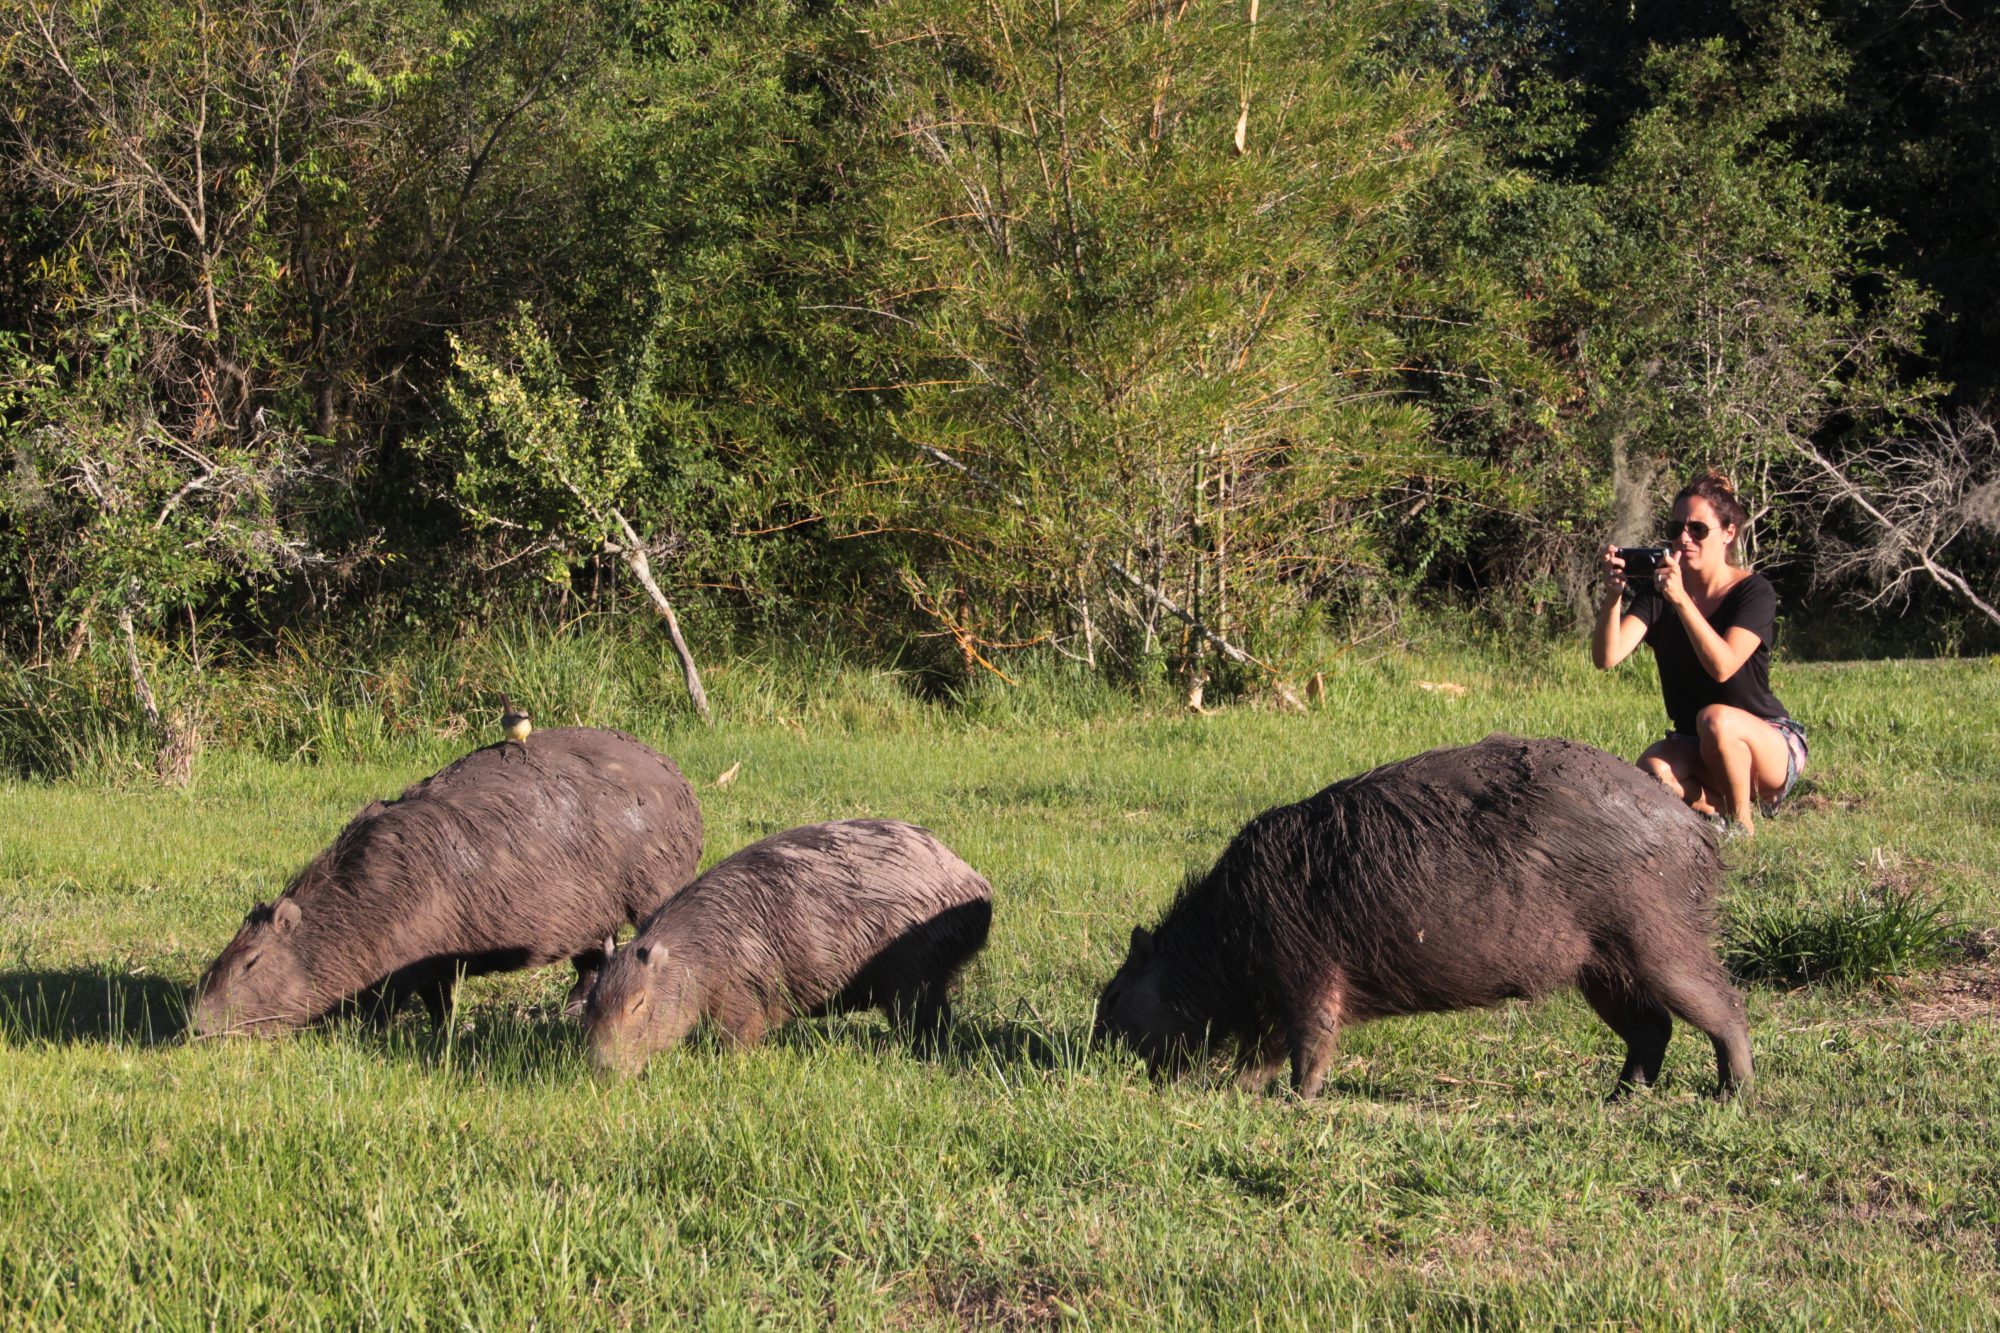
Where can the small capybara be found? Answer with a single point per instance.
(1454, 879)
(519, 854)
(816, 920)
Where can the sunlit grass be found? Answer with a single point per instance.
(1461, 1169)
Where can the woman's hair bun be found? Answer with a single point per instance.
(1714, 486)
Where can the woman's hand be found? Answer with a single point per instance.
(1615, 634)
(1671, 586)
(1614, 572)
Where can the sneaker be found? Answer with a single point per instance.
(1725, 830)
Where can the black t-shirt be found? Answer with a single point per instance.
(1684, 683)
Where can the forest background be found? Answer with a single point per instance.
(1192, 342)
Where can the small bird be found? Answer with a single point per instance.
(515, 723)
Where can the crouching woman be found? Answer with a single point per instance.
(1731, 746)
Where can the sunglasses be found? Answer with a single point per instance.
(1695, 529)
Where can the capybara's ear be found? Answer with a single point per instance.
(644, 953)
(285, 914)
(1142, 940)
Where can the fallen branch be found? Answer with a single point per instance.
(1168, 604)
(1897, 535)
(633, 553)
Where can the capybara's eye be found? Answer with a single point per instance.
(636, 1003)
(251, 961)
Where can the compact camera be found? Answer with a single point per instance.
(1642, 567)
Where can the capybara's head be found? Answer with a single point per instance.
(1136, 1008)
(642, 1003)
(258, 986)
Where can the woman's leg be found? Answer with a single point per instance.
(1743, 757)
(1675, 763)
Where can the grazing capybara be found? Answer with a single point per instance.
(517, 855)
(816, 920)
(1454, 879)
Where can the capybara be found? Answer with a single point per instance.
(516, 855)
(816, 920)
(1454, 879)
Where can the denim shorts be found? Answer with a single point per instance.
(1794, 733)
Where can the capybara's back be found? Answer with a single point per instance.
(858, 914)
(1453, 879)
(516, 855)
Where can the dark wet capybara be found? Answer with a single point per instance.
(1451, 880)
(514, 856)
(816, 920)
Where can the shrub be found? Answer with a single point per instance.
(1871, 933)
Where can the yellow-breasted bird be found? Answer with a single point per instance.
(516, 723)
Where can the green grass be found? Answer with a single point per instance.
(1461, 1170)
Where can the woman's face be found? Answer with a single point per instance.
(1711, 551)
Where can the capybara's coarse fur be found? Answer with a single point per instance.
(517, 855)
(816, 920)
(1454, 879)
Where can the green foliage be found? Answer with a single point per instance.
(532, 457)
(1749, 313)
(950, 328)
(1115, 336)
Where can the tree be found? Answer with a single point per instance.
(252, 227)
(158, 142)
(1710, 300)
(1929, 502)
(1125, 268)
(559, 475)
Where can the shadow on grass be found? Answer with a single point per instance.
(511, 1047)
(984, 1041)
(90, 1006)
(1004, 1041)
(536, 1046)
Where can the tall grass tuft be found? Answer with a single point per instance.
(74, 720)
(1868, 934)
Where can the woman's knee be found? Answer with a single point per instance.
(1661, 771)
(1719, 722)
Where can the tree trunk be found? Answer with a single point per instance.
(633, 552)
(140, 685)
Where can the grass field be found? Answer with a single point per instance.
(1461, 1171)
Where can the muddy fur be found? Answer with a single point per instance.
(517, 855)
(817, 920)
(1457, 878)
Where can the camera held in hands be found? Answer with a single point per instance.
(1642, 567)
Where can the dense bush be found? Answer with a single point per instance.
(1153, 335)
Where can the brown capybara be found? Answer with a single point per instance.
(519, 854)
(816, 920)
(1454, 879)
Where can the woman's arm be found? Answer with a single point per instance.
(1613, 637)
(1720, 655)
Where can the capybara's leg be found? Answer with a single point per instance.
(929, 1013)
(378, 1003)
(1701, 994)
(741, 1017)
(587, 964)
(1259, 1059)
(1645, 1028)
(436, 994)
(1314, 1035)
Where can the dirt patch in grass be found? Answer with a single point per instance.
(1807, 798)
(1965, 990)
(1021, 1299)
